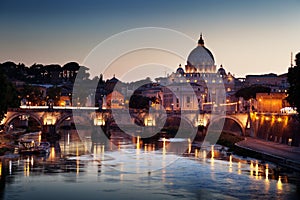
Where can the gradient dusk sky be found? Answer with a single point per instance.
(247, 37)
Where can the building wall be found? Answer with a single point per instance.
(115, 100)
(270, 102)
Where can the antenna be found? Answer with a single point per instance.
(165, 70)
(291, 59)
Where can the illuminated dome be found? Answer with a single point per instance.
(180, 70)
(222, 71)
(201, 59)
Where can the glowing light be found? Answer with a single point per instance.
(273, 120)
(99, 121)
(256, 170)
(212, 151)
(138, 142)
(26, 168)
(103, 149)
(196, 153)
(10, 167)
(279, 183)
(68, 139)
(0, 168)
(251, 168)
(230, 163)
(164, 146)
(149, 121)
(190, 146)
(239, 168)
(286, 120)
(267, 172)
(77, 166)
(49, 120)
(40, 137)
(204, 154)
(52, 153)
(279, 119)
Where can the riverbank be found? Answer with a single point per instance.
(281, 154)
(5, 144)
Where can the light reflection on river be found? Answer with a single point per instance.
(127, 172)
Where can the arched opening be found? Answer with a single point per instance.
(228, 125)
(75, 133)
(24, 122)
(174, 126)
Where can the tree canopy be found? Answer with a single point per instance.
(8, 95)
(250, 92)
(294, 81)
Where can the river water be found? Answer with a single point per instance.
(85, 170)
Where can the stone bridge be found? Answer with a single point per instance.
(62, 116)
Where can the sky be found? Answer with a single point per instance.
(246, 37)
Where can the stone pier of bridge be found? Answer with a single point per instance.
(55, 118)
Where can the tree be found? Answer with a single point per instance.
(141, 102)
(8, 95)
(250, 92)
(54, 93)
(294, 91)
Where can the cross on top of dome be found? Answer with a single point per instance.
(201, 41)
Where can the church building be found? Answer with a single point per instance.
(207, 87)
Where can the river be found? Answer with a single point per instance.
(77, 169)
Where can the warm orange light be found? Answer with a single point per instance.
(164, 146)
(196, 153)
(190, 146)
(138, 142)
(267, 172)
(279, 119)
(279, 183)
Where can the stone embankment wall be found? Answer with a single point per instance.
(281, 128)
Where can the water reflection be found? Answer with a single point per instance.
(279, 184)
(267, 172)
(239, 168)
(106, 168)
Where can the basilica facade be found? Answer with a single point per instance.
(200, 85)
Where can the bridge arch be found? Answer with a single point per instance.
(186, 128)
(16, 115)
(228, 117)
(71, 115)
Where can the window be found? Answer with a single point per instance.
(188, 100)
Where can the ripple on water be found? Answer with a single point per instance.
(183, 178)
